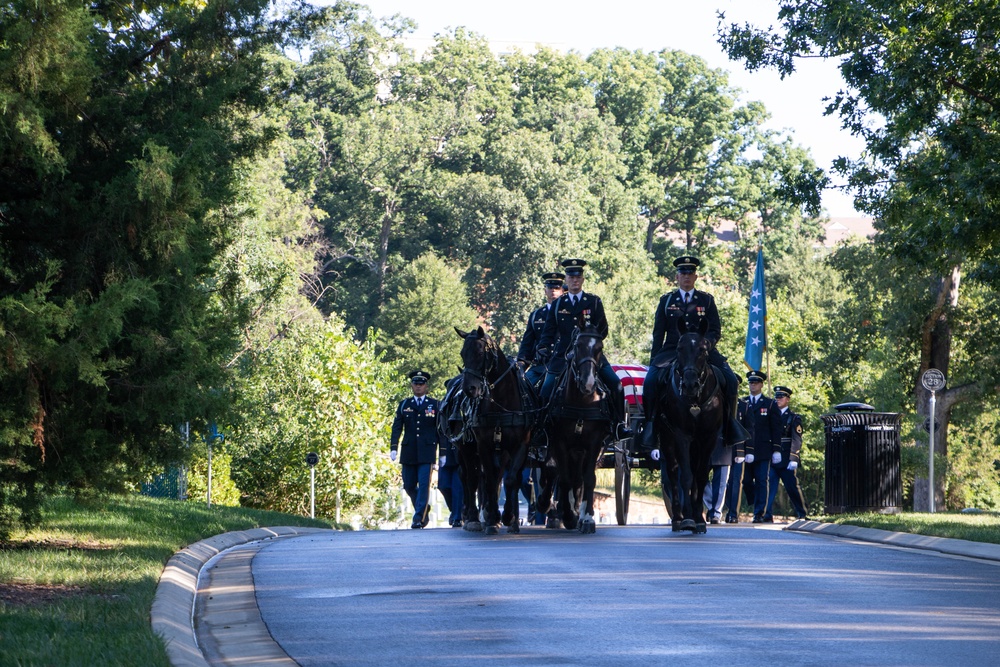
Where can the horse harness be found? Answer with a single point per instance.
(505, 417)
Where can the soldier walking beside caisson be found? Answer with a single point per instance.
(785, 463)
(416, 421)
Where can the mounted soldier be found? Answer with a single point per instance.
(528, 351)
(564, 316)
(692, 306)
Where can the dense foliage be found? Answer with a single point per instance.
(262, 216)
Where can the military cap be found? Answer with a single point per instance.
(418, 377)
(756, 376)
(780, 391)
(553, 279)
(687, 263)
(574, 267)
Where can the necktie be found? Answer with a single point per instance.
(572, 298)
(687, 298)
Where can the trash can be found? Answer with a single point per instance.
(862, 460)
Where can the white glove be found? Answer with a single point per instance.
(392, 455)
(749, 458)
(441, 461)
(792, 465)
(776, 458)
(655, 455)
(739, 459)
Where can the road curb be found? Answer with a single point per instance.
(172, 613)
(943, 545)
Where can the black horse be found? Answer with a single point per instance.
(578, 427)
(454, 415)
(502, 415)
(690, 417)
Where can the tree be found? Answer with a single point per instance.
(318, 390)
(922, 92)
(428, 300)
(128, 126)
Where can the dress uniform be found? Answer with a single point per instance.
(416, 421)
(693, 307)
(563, 316)
(785, 464)
(450, 484)
(762, 418)
(528, 350)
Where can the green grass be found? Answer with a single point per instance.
(78, 590)
(978, 527)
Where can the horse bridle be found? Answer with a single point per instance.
(491, 359)
(577, 334)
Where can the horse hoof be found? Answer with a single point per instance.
(570, 524)
(675, 526)
(492, 530)
(700, 528)
(555, 524)
(514, 529)
(588, 527)
(687, 524)
(473, 526)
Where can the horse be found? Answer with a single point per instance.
(579, 425)
(501, 420)
(690, 414)
(454, 414)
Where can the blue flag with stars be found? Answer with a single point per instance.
(753, 354)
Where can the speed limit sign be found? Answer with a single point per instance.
(932, 379)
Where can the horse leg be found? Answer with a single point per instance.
(588, 524)
(471, 477)
(491, 488)
(511, 516)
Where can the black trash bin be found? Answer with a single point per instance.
(862, 460)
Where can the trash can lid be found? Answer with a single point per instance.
(854, 407)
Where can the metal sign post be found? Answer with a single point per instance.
(312, 458)
(209, 493)
(933, 380)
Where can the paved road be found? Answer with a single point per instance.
(631, 595)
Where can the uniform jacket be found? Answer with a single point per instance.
(418, 426)
(791, 436)
(671, 308)
(763, 420)
(532, 334)
(561, 321)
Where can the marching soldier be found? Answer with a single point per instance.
(416, 421)
(562, 319)
(692, 306)
(528, 350)
(785, 463)
(762, 418)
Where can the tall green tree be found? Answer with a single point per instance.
(922, 92)
(427, 301)
(126, 128)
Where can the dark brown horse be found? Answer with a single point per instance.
(578, 427)
(501, 418)
(690, 417)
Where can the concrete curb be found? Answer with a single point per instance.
(173, 605)
(942, 545)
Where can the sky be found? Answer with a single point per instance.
(796, 103)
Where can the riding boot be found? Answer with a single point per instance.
(733, 432)
(647, 438)
(621, 430)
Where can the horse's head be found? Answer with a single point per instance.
(585, 357)
(479, 357)
(692, 368)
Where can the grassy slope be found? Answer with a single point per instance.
(97, 565)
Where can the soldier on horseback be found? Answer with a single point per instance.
(563, 318)
(692, 306)
(528, 350)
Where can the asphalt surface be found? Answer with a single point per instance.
(209, 601)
